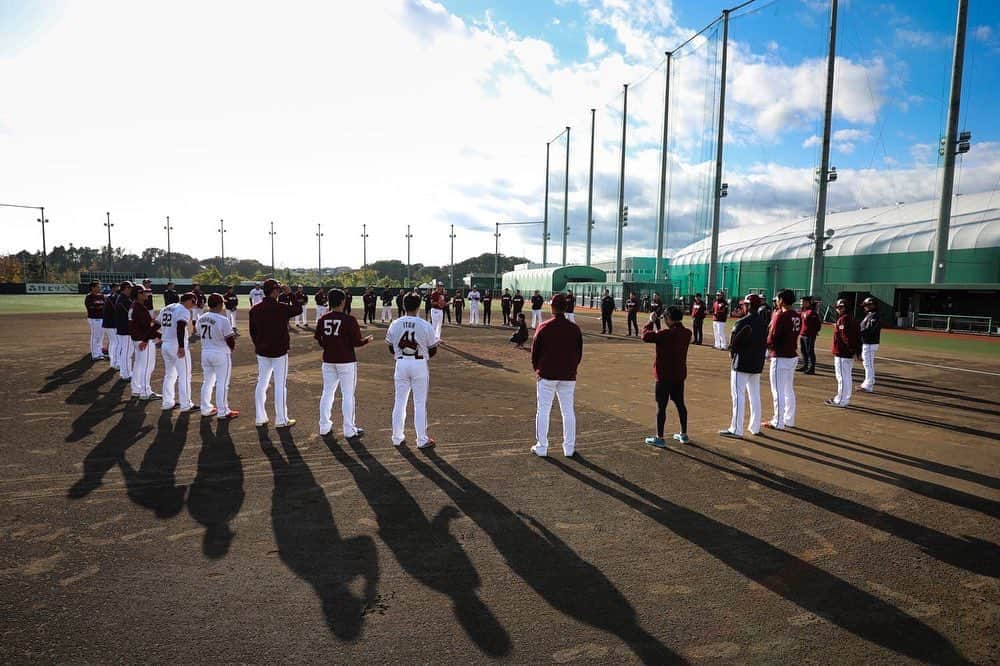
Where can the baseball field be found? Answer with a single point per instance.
(864, 535)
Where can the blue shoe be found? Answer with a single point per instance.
(682, 438)
(657, 442)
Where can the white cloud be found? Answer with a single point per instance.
(595, 47)
(922, 39)
(982, 33)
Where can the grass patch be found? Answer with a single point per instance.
(42, 303)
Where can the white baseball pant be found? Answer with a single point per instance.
(142, 373)
(742, 385)
(321, 310)
(868, 360)
(176, 371)
(546, 390)
(216, 367)
(474, 313)
(437, 320)
(232, 317)
(571, 316)
(124, 356)
(536, 318)
(410, 375)
(345, 376)
(96, 337)
(112, 347)
(782, 377)
(267, 366)
(303, 319)
(843, 367)
(387, 314)
(719, 333)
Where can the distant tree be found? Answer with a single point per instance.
(209, 275)
(11, 269)
(233, 280)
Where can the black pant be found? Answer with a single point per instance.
(513, 316)
(697, 326)
(506, 316)
(606, 322)
(633, 321)
(665, 392)
(487, 311)
(808, 347)
(458, 316)
(447, 314)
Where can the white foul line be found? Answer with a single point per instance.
(942, 367)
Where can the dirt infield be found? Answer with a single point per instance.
(866, 535)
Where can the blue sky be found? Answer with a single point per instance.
(433, 113)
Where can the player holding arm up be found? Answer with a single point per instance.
(174, 322)
(144, 332)
(269, 332)
(218, 340)
(412, 342)
(339, 335)
(94, 303)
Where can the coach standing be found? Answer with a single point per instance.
(301, 299)
(536, 309)
(474, 298)
(747, 351)
(670, 371)
(505, 306)
(782, 343)
(123, 306)
(871, 334)
(109, 325)
(144, 332)
(632, 312)
(487, 306)
(698, 311)
(556, 353)
(170, 295)
(269, 332)
(720, 313)
(811, 326)
(570, 306)
(607, 309)
(846, 346)
(439, 301)
(94, 303)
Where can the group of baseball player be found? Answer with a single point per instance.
(135, 331)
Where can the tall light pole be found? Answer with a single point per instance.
(272, 233)
(825, 174)
(364, 247)
(111, 264)
(664, 156)
(169, 228)
(590, 186)
(319, 254)
(222, 240)
(43, 222)
(720, 187)
(545, 221)
(621, 189)
(451, 269)
(408, 237)
(566, 201)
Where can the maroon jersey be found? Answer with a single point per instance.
(846, 337)
(783, 334)
(95, 306)
(557, 349)
(231, 302)
(199, 300)
(698, 310)
(671, 351)
(269, 327)
(141, 326)
(439, 300)
(811, 323)
(720, 311)
(339, 334)
(300, 297)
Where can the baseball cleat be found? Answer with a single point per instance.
(193, 408)
(772, 426)
(358, 432)
(729, 434)
(832, 403)
(682, 438)
(261, 424)
(169, 408)
(231, 415)
(324, 433)
(430, 443)
(287, 424)
(656, 441)
(399, 443)
(867, 390)
(215, 411)
(538, 451)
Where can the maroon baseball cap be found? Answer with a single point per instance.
(270, 285)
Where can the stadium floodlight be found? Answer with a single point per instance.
(828, 246)
(831, 176)
(625, 216)
(724, 190)
(829, 233)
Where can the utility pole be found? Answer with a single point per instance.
(566, 201)
(953, 144)
(590, 186)
(664, 158)
(319, 254)
(364, 247)
(45, 252)
(496, 256)
(713, 259)
(621, 189)
(824, 174)
(272, 234)
(169, 228)
(408, 237)
(111, 263)
(451, 270)
(222, 238)
(545, 225)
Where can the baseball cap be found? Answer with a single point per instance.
(270, 285)
(126, 284)
(753, 300)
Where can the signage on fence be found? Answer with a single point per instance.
(38, 288)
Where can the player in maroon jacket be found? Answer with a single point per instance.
(269, 332)
(144, 332)
(811, 326)
(556, 353)
(720, 313)
(846, 346)
(301, 298)
(782, 345)
(669, 370)
(339, 335)
(698, 312)
(94, 302)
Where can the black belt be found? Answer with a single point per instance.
(418, 357)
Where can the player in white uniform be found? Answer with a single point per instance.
(412, 342)
(474, 298)
(174, 322)
(217, 343)
(256, 294)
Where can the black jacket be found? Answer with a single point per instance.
(123, 306)
(748, 344)
(871, 329)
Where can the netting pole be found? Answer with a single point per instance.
(658, 272)
(590, 186)
(621, 189)
(545, 222)
(819, 240)
(713, 259)
(566, 201)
